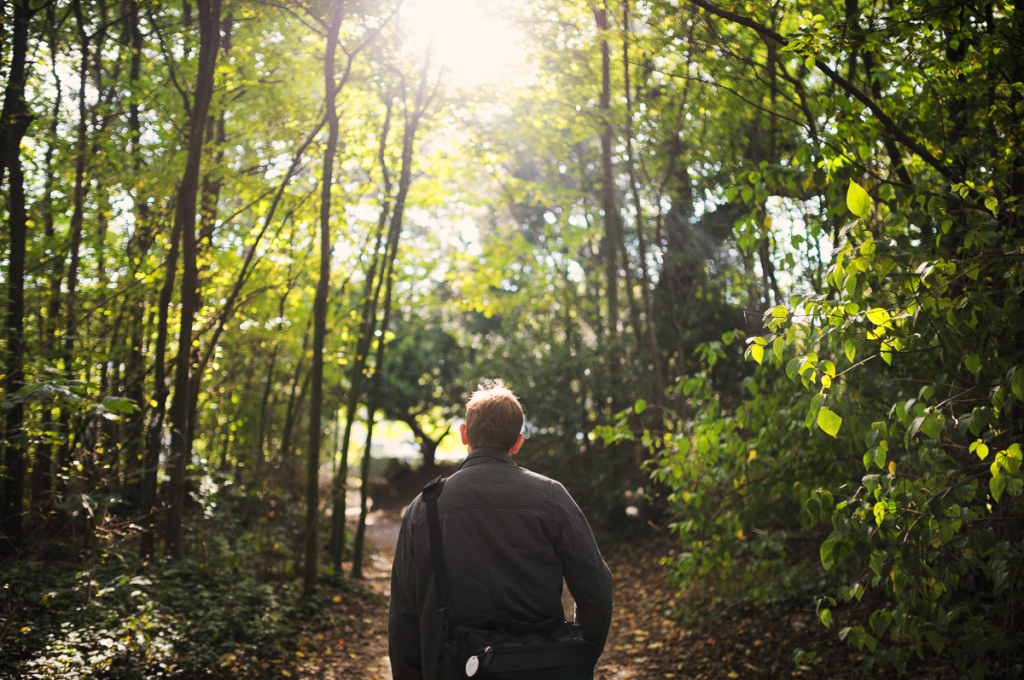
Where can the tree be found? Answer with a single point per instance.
(185, 223)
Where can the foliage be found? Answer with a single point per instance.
(233, 606)
(883, 422)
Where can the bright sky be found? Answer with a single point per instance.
(471, 38)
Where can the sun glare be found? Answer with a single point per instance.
(471, 39)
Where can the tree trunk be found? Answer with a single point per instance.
(657, 391)
(371, 410)
(611, 211)
(339, 487)
(14, 441)
(387, 274)
(74, 253)
(185, 216)
(14, 123)
(312, 533)
(42, 468)
(154, 432)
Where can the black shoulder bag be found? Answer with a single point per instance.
(501, 648)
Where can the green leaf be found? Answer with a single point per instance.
(757, 351)
(879, 316)
(933, 425)
(851, 350)
(997, 485)
(935, 640)
(857, 200)
(777, 346)
(826, 617)
(640, 405)
(880, 457)
(1017, 383)
(828, 549)
(972, 362)
(829, 421)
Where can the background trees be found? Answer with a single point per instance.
(755, 273)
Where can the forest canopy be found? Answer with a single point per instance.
(754, 270)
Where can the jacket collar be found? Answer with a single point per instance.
(486, 455)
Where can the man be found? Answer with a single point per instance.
(510, 537)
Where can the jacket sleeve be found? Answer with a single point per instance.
(586, 574)
(403, 619)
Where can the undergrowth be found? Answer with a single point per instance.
(235, 607)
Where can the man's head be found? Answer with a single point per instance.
(494, 418)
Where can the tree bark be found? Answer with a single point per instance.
(609, 204)
(74, 253)
(657, 391)
(185, 216)
(14, 442)
(312, 532)
(371, 410)
(42, 468)
(14, 123)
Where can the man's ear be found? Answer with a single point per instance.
(462, 431)
(515, 448)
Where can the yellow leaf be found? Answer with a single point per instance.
(25, 629)
(733, 675)
(752, 456)
(892, 468)
(336, 599)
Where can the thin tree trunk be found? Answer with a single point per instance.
(339, 487)
(371, 410)
(312, 532)
(657, 391)
(13, 441)
(259, 454)
(387, 274)
(295, 396)
(154, 433)
(77, 220)
(42, 468)
(611, 211)
(185, 215)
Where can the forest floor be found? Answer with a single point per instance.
(648, 639)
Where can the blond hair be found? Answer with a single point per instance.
(494, 417)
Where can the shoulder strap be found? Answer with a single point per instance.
(430, 493)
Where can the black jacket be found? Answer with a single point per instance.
(510, 537)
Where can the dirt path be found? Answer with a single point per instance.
(356, 647)
(647, 639)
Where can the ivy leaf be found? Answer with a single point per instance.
(857, 200)
(829, 421)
